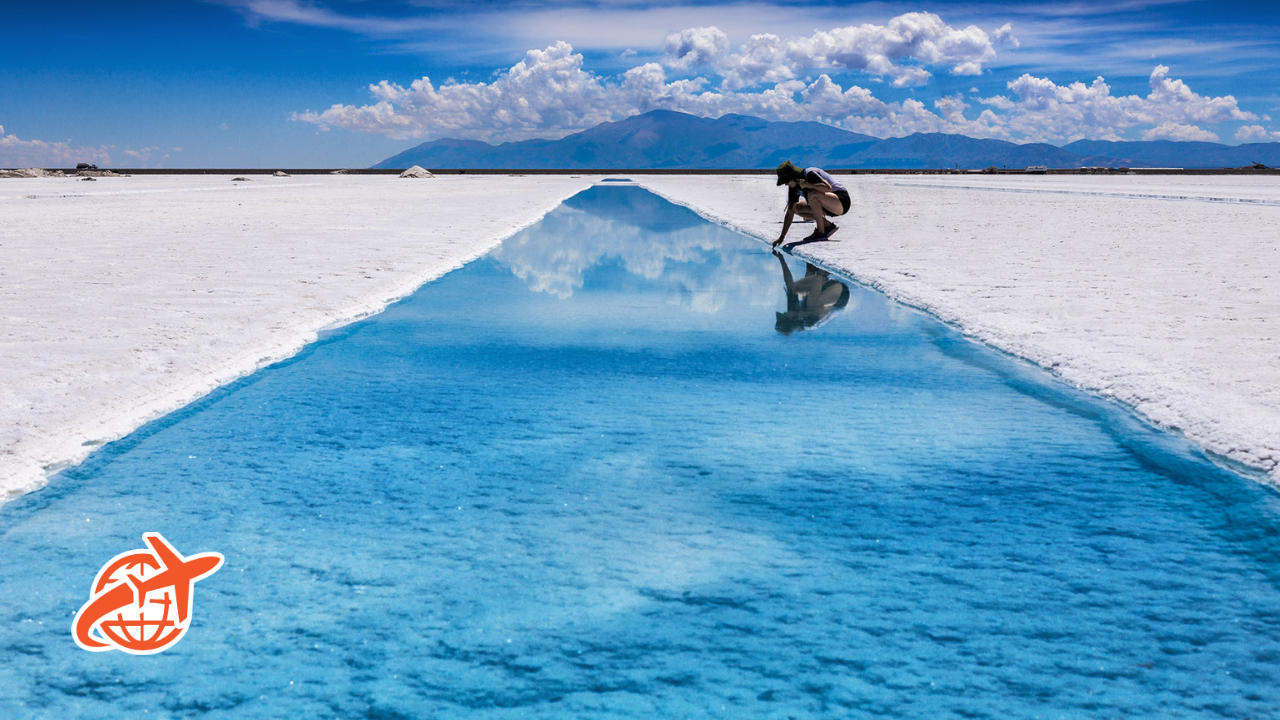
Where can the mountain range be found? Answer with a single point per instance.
(667, 139)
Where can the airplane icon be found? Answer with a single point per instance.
(117, 616)
(179, 573)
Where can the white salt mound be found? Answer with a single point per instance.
(280, 173)
(416, 172)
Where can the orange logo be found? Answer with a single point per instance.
(141, 599)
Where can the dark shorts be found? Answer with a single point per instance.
(845, 201)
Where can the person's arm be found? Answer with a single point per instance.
(815, 182)
(786, 223)
(793, 197)
(787, 281)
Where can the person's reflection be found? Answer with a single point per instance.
(810, 300)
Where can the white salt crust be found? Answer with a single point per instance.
(127, 298)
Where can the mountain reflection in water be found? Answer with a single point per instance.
(695, 264)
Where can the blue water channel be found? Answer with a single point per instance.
(632, 465)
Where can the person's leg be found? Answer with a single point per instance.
(814, 213)
(829, 202)
(807, 211)
(821, 205)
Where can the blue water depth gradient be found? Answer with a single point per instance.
(626, 466)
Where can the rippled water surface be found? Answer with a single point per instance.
(616, 469)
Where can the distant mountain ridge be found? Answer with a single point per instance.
(673, 140)
(658, 139)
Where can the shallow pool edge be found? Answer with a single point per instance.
(25, 471)
(1239, 466)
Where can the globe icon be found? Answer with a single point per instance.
(141, 601)
(139, 627)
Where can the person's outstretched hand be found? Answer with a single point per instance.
(777, 242)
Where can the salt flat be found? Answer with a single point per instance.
(1170, 304)
(125, 298)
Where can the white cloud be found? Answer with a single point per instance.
(545, 94)
(1256, 133)
(687, 260)
(1043, 110)
(18, 153)
(1173, 99)
(300, 13)
(987, 125)
(695, 46)
(1004, 35)
(999, 102)
(550, 93)
(1178, 131)
(899, 50)
(824, 98)
(1115, 34)
(761, 59)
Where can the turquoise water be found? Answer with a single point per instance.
(616, 469)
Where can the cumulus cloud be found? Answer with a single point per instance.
(987, 125)
(18, 153)
(827, 99)
(695, 46)
(900, 49)
(1004, 36)
(1174, 99)
(1256, 133)
(1178, 131)
(546, 93)
(550, 93)
(1043, 110)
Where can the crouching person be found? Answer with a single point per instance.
(812, 194)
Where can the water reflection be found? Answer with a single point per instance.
(598, 238)
(490, 502)
(625, 243)
(811, 301)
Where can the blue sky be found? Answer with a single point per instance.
(332, 83)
